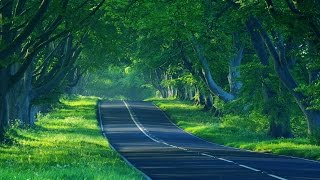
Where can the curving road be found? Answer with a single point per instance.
(146, 138)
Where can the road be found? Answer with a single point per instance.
(145, 137)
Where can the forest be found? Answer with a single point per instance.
(233, 57)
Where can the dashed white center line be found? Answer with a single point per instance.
(253, 169)
(277, 177)
(222, 159)
(208, 155)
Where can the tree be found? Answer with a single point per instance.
(26, 29)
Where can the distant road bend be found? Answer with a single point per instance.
(147, 139)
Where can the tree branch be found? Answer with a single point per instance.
(5, 4)
(29, 57)
(36, 19)
(213, 86)
(292, 7)
(19, 7)
(296, 11)
(93, 12)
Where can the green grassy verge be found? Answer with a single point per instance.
(64, 144)
(234, 131)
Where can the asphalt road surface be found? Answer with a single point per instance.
(146, 138)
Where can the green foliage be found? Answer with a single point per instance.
(191, 111)
(251, 76)
(219, 104)
(116, 83)
(313, 92)
(180, 78)
(64, 144)
(254, 122)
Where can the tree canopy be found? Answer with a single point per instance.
(232, 56)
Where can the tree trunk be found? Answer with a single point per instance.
(277, 113)
(186, 93)
(181, 93)
(4, 112)
(19, 97)
(234, 73)
(280, 58)
(212, 85)
(191, 93)
(208, 103)
(202, 99)
(313, 117)
(171, 92)
(4, 116)
(234, 67)
(278, 116)
(163, 93)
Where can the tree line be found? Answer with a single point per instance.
(247, 55)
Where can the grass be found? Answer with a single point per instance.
(234, 131)
(64, 144)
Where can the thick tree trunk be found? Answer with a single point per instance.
(4, 112)
(313, 117)
(278, 116)
(19, 97)
(4, 116)
(277, 113)
(314, 124)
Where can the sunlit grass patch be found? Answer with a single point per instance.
(234, 131)
(64, 144)
(184, 111)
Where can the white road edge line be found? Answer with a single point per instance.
(129, 163)
(277, 177)
(143, 130)
(253, 169)
(100, 117)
